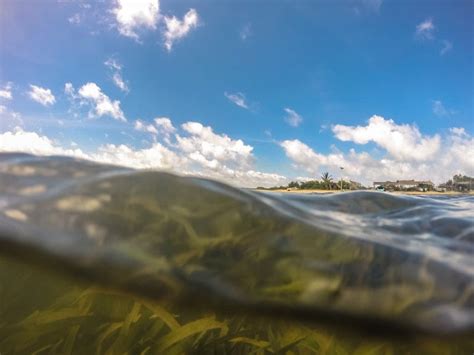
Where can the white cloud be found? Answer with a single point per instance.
(135, 15)
(440, 110)
(245, 178)
(102, 105)
(293, 118)
(213, 150)
(201, 152)
(165, 127)
(155, 157)
(459, 156)
(69, 89)
(112, 63)
(119, 82)
(177, 29)
(306, 159)
(19, 140)
(425, 30)
(41, 95)
(447, 46)
(220, 157)
(454, 157)
(116, 69)
(161, 126)
(366, 169)
(302, 155)
(458, 131)
(141, 126)
(6, 91)
(238, 99)
(402, 142)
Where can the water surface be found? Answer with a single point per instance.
(98, 258)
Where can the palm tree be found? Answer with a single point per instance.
(327, 180)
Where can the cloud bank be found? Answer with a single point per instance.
(402, 152)
(408, 153)
(192, 149)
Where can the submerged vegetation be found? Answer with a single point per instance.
(98, 259)
(45, 314)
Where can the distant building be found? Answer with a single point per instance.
(463, 183)
(404, 184)
(459, 183)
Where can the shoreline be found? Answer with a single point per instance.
(450, 193)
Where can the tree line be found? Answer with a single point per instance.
(326, 182)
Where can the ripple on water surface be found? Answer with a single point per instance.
(361, 261)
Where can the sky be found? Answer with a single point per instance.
(253, 93)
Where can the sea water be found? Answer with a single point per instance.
(99, 259)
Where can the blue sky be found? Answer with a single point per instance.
(295, 82)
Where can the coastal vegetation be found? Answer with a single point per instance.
(459, 183)
(326, 182)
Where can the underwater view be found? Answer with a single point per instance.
(100, 259)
